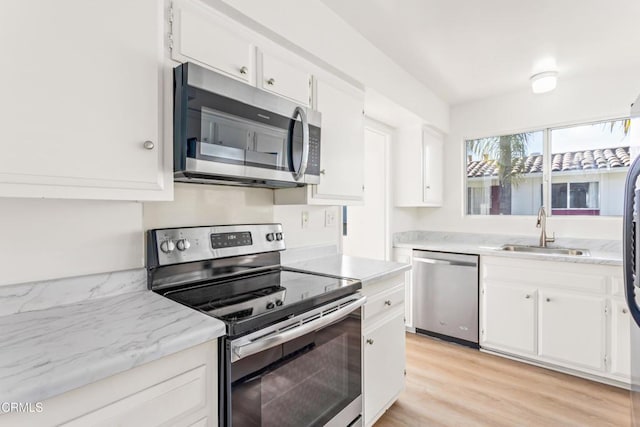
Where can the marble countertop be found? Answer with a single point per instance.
(50, 350)
(363, 269)
(601, 251)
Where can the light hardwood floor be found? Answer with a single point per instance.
(450, 385)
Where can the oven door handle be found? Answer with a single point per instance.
(240, 351)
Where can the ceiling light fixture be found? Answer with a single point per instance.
(544, 82)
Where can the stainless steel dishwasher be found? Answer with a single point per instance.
(445, 296)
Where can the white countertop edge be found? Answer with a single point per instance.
(364, 269)
(56, 369)
(594, 258)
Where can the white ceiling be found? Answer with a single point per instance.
(469, 49)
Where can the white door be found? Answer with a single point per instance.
(366, 231)
(508, 318)
(572, 329)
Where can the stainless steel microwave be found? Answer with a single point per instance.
(227, 132)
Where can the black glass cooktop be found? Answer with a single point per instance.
(255, 300)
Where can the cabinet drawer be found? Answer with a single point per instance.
(160, 404)
(384, 302)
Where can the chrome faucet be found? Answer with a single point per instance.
(542, 223)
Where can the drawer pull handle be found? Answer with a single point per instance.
(244, 70)
(624, 311)
(369, 341)
(548, 299)
(271, 81)
(387, 302)
(527, 296)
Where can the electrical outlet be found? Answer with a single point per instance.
(329, 218)
(305, 219)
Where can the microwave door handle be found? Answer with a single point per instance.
(305, 143)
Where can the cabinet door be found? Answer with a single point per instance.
(620, 340)
(342, 143)
(572, 329)
(200, 35)
(384, 363)
(432, 152)
(80, 96)
(508, 318)
(404, 256)
(418, 158)
(284, 79)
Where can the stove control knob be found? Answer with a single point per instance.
(279, 302)
(183, 245)
(270, 306)
(167, 246)
(270, 237)
(278, 236)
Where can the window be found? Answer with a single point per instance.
(504, 174)
(586, 171)
(575, 198)
(591, 162)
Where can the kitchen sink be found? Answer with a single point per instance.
(541, 250)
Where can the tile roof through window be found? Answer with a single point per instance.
(605, 158)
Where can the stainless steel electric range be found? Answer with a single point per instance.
(292, 353)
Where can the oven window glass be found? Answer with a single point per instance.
(313, 379)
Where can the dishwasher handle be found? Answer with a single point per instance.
(446, 262)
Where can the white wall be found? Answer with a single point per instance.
(195, 204)
(585, 99)
(316, 233)
(47, 239)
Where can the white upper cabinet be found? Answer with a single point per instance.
(284, 79)
(81, 100)
(432, 159)
(418, 157)
(205, 37)
(342, 143)
(341, 149)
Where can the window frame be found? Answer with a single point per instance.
(546, 167)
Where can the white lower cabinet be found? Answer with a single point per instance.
(572, 329)
(563, 315)
(509, 317)
(620, 339)
(177, 390)
(384, 365)
(383, 346)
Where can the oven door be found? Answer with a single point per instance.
(305, 371)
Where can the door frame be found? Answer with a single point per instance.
(387, 132)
